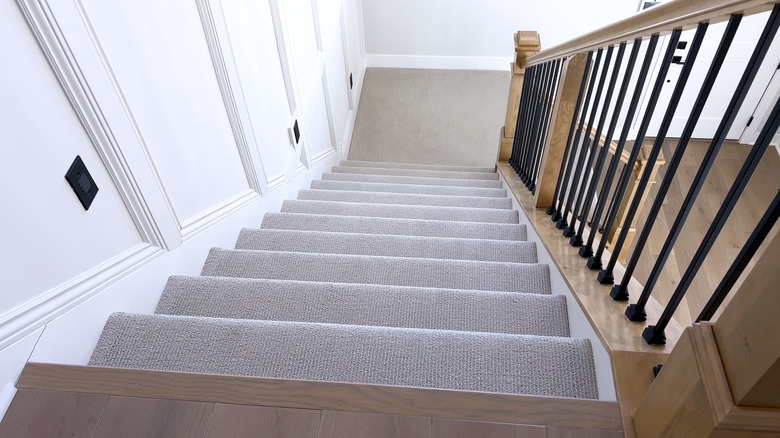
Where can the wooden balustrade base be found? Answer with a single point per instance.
(632, 358)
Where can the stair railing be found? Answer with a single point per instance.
(575, 98)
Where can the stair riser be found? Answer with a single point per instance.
(384, 245)
(361, 304)
(469, 361)
(351, 163)
(417, 173)
(390, 179)
(408, 188)
(405, 199)
(401, 211)
(396, 271)
(406, 227)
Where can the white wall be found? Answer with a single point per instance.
(181, 112)
(474, 34)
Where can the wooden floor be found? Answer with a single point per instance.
(69, 414)
(752, 204)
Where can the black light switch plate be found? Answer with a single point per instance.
(81, 182)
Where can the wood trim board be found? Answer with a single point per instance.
(256, 391)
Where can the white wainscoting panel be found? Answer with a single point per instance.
(167, 78)
(254, 44)
(48, 238)
(338, 76)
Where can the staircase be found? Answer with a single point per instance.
(381, 273)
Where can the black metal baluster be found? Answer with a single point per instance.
(538, 75)
(543, 119)
(549, 103)
(553, 210)
(620, 190)
(666, 122)
(620, 292)
(586, 250)
(743, 258)
(519, 125)
(527, 100)
(654, 334)
(591, 145)
(522, 121)
(583, 208)
(581, 144)
(636, 312)
(538, 121)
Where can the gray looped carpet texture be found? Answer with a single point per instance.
(394, 226)
(394, 179)
(374, 164)
(415, 172)
(366, 304)
(405, 199)
(407, 188)
(493, 215)
(382, 273)
(387, 245)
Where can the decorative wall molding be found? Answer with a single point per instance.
(26, 318)
(500, 63)
(206, 219)
(215, 30)
(136, 194)
(281, 46)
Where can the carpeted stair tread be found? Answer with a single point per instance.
(357, 163)
(387, 245)
(492, 215)
(356, 186)
(404, 199)
(366, 304)
(390, 179)
(444, 359)
(394, 226)
(413, 172)
(397, 271)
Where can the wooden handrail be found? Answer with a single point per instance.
(659, 19)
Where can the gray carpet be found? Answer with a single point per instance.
(407, 188)
(401, 211)
(387, 245)
(394, 179)
(430, 116)
(415, 172)
(418, 284)
(365, 304)
(404, 199)
(397, 271)
(395, 226)
(356, 163)
(444, 359)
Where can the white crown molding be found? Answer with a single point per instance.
(440, 62)
(33, 314)
(218, 41)
(140, 197)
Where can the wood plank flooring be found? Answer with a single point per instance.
(54, 414)
(752, 204)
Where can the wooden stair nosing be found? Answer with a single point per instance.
(256, 391)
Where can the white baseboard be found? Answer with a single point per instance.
(500, 63)
(6, 395)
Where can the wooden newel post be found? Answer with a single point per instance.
(560, 124)
(526, 44)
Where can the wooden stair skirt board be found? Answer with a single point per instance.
(691, 396)
(302, 394)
